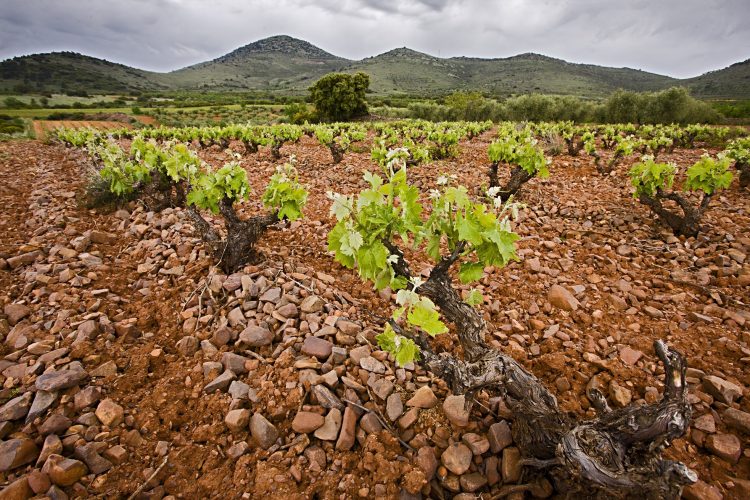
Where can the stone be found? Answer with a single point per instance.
(455, 410)
(52, 446)
(423, 398)
(271, 295)
(256, 336)
(725, 446)
(264, 432)
(737, 419)
(236, 317)
(234, 362)
(57, 423)
(16, 312)
(237, 420)
(372, 365)
(288, 311)
(89, 454)
(187, 346)
(329, 431)
(110, 413)
(312, 304)
(382, 387)
(705, 423)
(511, 465)
(105, 370)
(394, 407)
(630, 356)
(721, 389)
(20, 489)
(43, 401)
(326, 397)
(348, 428)
(238, 390)
(220, 383)
(38, 482)
(17, 452)
(499, 436)
(622, 396)
(348, 327)
(16, 408)
(476, 443)
(64, 471)
(62, 379)
(370, 423)
(561, 298)
(237, 450)
(472, 482)
(701, 491)
(305, 422)
(427, 461)
(457, 458)
(116, 454)
(89, 329)
(317, 347)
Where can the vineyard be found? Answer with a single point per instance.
(401, 309)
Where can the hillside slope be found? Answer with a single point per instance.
(286, 64)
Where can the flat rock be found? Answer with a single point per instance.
(62, 379)
(630, 356)
(423, 398)
(457, 458)
(16, 408)
(43, 400)
(256, 336)
(317, 347)
(312, 304)
(737, 419)
(220, 383)
(16, 312)
(561, 298)
(17, 452)
(329, 431)
(237, 420)
(511, 465)
(64, 471)
(455, 409)
(20, 489)
(348, 428)
(327, 398)
(500, 436)
(394, 407)
(725, 446)
(372, 365)
(306, 421)
(427, 461)
(721, 389)
(89, 454)
(264, 432)
(110, 413)
(234, 362)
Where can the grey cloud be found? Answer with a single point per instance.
(676, 37)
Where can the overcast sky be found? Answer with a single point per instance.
(680, 38)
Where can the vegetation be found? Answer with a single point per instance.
(340, 96)
(653, 185)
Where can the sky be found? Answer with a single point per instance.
(680, 38)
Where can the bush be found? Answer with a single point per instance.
(674, 105)
(340, 96)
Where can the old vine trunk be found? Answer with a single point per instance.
(617, 454)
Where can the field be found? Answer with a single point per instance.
(175, 378)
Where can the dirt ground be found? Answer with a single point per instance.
(146, 282)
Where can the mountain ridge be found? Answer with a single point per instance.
(282, 63)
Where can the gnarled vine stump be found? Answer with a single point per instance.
(687, 224)
(238, 248)
(518, 177)
(615, 455)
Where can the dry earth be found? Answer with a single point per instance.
(129, 363)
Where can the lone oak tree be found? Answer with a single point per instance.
(616, 454)
(340, 96)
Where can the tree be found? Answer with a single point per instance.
(616, 454)
(340, 96)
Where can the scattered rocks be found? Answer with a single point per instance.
(561, 298)
(423, 398)
(264, 432)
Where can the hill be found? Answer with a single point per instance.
(286, 64)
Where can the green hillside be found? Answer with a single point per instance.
(285, 64)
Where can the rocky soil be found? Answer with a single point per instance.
(130, 366)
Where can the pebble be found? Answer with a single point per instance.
(457, 458)
(561, 298)
(423, 398)
(263, 432)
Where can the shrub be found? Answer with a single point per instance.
(340, 96)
